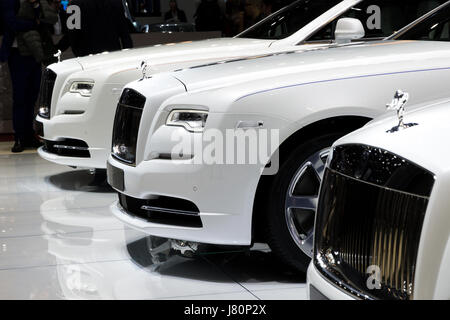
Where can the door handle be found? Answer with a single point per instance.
(249, 124)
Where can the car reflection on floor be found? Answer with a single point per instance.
(70, 247)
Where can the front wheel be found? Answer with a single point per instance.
(292, 201)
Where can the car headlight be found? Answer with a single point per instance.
(44, 112)
(191, 120)
(83, 88)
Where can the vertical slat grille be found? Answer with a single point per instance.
(126, 126)
(46, 93)
(363, 227)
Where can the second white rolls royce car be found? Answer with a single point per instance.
(308, 100)
(79, 96)
(383, 222)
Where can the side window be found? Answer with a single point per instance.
(442, 33)
(278, 31)
(380, 18)
(435, 28)
(289, 20)
(438, 31)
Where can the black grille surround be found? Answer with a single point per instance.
(370, 215)
(162, 210)
(126, 126)
(46, 92)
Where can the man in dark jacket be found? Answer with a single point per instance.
(104, 27)
(11, 25)
(175, 14)
(25, 75)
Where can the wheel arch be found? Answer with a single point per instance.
(327, 125)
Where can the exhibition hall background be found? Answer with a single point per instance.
(235, 17)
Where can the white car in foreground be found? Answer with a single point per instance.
(79, 96)
(383, 222)
(307, 100)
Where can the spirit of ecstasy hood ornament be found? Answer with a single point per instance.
(145, 68)
(57, 55)
(398, 103)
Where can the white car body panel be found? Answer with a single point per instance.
(286, 92)
(423, 145)
(111, 71)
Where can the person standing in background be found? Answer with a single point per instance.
(60, 28)
(38, 43)
(175, 14)
(104, 27)
(25, 71)
(11, 25)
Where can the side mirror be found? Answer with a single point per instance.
(348, 29)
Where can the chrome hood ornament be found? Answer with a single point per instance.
(145, 68)
(398, 103)
(57, 55)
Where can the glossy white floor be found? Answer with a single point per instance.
(59, 241)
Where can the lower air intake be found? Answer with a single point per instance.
(68, 148)
(163, 210)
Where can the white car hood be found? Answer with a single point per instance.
(66, 67)
(425, 144)
(169, 52)
(319, 64)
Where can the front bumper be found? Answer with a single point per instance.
(319, 288)
(75, 127)
(223, 194)
(93, 162)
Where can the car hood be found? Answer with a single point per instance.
(66, 67)
(423, 143)
(319, 64)
(171, 52)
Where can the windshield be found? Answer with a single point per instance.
(289, 20)
(435, 27)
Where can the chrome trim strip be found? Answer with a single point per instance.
(59, 146)
(340, 79)
(173, 211)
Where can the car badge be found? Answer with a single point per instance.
(145, 69)
(57, 55)
(398, 103)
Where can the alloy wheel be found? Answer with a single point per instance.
(301, 200)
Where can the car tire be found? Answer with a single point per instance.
(280, 219)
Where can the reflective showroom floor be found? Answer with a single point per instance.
(59, 241)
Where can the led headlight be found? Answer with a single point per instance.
(191, 120)
(83, 88)
(44, 112)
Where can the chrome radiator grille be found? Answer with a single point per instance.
(367, 232)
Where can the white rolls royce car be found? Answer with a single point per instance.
(383, 223)
(79, 96)
(307, 100)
